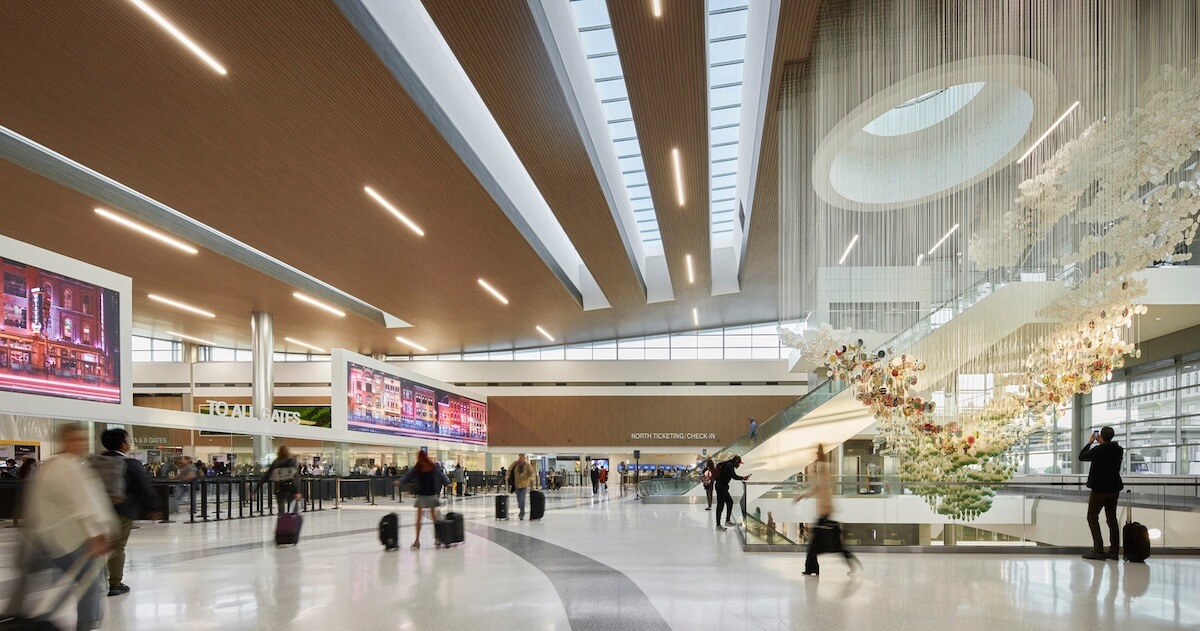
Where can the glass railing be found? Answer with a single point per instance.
(666, 486)
(759, 532)
(830, 388)
(1034, 511)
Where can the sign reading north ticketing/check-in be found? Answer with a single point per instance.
(380, 402)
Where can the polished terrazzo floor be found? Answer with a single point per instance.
(607, 564)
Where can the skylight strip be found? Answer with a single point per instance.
(593, 17)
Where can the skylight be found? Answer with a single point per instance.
(604, 64)
(727, 25)
(924, 111)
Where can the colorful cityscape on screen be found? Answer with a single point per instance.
(59, 336)
(384, 403)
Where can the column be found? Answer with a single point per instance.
(262, 382)
(614, 476)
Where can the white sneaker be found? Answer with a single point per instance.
(721, 529)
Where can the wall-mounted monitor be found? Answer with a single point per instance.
(61, 330)
(381, 400)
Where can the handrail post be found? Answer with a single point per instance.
(204, 499)
(191, 501)
(337, 492)
(218, 485)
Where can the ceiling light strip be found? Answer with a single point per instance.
(1048, 131)
(499, 296)
(401, 216)
(180, 36)
(154, 234)
(304, 344)
(942, 240)
(189, 338)
(411, 343)
(691, 273)
(678, 166)
(317, 303)
(656, 6)
(544, 333)
(695, 316)
(848, 248)
(594, 26)
(181, 305)
(920, 257)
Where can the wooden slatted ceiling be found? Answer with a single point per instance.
(276, 154)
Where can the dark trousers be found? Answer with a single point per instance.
(724, 501)
(283, 499)
(1107, 501)
(824, 544)
(595, 486)
(709, 493)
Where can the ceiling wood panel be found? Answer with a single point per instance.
(277, 152)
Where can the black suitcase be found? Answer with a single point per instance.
(389, 531)
(501, 507)
(449, 531)
(537, 505)
(1135, 536)
(70, 585)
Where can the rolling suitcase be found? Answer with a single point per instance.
(389, 531)
(449, 531)
(501, 507)
(287, 527)
(71, 584)
(537, 505)
(1135, 536)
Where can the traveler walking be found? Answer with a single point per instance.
(595, 475)
(521, 478)
(753, 429)
(68, 516)
(1104, 479)
(827, 534)
(137, 499)
(429, 480)
(460, 480)
(726, 473)
(285, 473)
(708, 478)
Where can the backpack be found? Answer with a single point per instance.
(111, 470)
(285, 476)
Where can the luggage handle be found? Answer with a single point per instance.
(78, 578)
(1129, 506)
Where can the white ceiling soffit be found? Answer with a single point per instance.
(408, 42)
(740, 50)
(585, 72)
(56, 167)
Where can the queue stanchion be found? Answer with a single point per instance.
(203, 499)
(164, 493)
(371, 491)
(337, 493)
(229, 499)
(217, 483)
(241, 497)
(191, 501)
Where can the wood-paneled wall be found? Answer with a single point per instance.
(610, 421)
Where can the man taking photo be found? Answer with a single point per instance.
(1104, 479)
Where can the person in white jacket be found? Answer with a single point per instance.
(68, 514)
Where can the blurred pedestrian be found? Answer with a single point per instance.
(429, 480)
(827, 533)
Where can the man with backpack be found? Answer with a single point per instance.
(727, 472)
(285, 473)
(128, 488)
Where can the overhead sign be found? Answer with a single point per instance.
(672, 436)
(243, 410)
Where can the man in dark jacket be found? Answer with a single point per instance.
(726, 473)
(1104, 479)
(140, 500)
(285, 473)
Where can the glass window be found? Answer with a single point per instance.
(579, 351)
(528, 354)
(553, 353)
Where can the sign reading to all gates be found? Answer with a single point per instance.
(240, 410)
(672, 436)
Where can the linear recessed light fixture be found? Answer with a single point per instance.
(178, 34)
(942, 240)
(189, 338)
(695, 316)
(304, 344)
(1048, 131)
(848, 248)
(317, 303)
(675, 162)
(543, 332)
(401, 216)
(499, 296)
(180, 305)
(154, 234)
(412, 344)
(691, 274)
(920, 257)
(657, 6)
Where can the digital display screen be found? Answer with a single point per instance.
(383, 403)
(59, 336)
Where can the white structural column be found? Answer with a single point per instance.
(262, 380)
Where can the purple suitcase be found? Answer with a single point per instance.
(287, 529)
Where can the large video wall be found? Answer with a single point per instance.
(59, 336)
(383, 403)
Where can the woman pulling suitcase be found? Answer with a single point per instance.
(429, 480)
